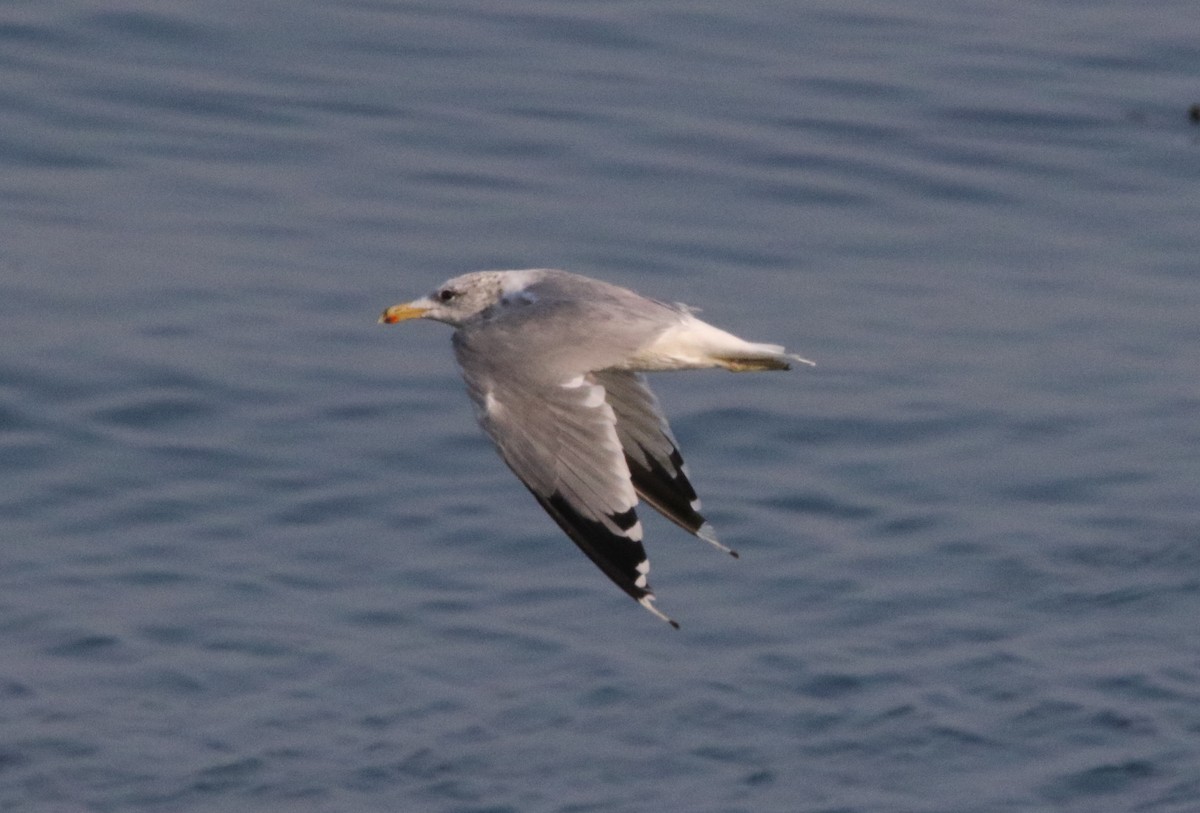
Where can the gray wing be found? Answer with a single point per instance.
(655, 465)
(560, 439)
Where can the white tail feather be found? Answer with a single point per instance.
(692, 344)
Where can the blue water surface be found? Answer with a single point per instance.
(255, 554)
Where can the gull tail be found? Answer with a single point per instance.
(777, 360)
(740, 356)
(692, 344)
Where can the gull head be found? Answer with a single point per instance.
(456, 301)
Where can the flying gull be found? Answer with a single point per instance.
(553, 362)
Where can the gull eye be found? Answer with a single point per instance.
(446, 295)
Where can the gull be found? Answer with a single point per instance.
(554, 365)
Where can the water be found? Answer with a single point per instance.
(255, 554)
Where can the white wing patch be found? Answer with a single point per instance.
(491, 405)
(643, 570)
(647, 601)
(594, 392)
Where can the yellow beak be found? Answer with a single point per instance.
(398, 313)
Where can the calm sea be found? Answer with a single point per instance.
(256, 556)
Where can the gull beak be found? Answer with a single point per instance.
(398, 313)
